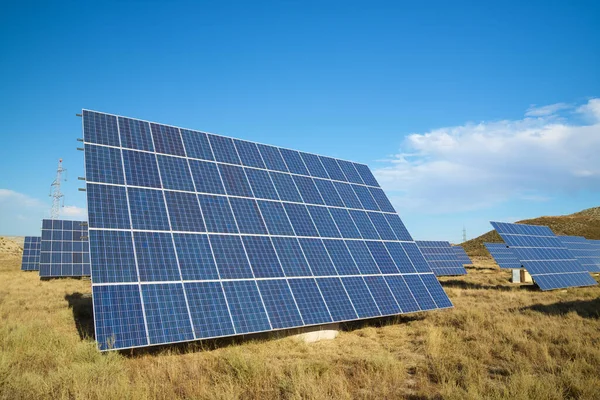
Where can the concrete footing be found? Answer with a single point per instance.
(525, 277)
(312, 334)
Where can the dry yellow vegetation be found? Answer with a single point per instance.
(500, 341)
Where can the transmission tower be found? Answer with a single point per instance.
(464, 234)
(56, 194)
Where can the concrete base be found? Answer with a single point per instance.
(312, 334)
(516, 276)
(525, 277)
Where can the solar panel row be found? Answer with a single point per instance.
(196, 235)
(64, 249)
(441, 257)
(504, 256)
(31, 254)
(548, 261)
(587, 252)
(462, 256)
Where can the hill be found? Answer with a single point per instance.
(583, 223)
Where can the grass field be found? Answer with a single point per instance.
(500, 341)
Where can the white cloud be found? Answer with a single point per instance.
(73, 212)
(21, 214)
(477, 165)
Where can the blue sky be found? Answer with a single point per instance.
(466, 111)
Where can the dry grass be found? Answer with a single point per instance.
(500, 341)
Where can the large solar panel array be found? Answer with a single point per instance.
(31, 254)
(462, 256)
(441, 257)
(196, 236)
(548, 261)
(64, 249)
(587, 252)
(504, 256)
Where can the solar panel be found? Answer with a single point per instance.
(504, 256)
(587, 252)
(31, 254)
(441, 258)
(462, 256)
(548, 261)
(64, 249)
(196, 236)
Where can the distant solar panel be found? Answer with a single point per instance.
(587, 252)
(441, 257)
(31, 254)
(548, 261)
(64, 249)
(197, 236)
(462, 256)
(504, 256)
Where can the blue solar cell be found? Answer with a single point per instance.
(367, 201)
(107, 207)
(362, 256)
(291, 257)
(247, 216)
(167, 314)
(572, 279)
(208, 309)
(382, 258)
(272, 158)
(112, 256)
(416, 257)
(300, 219)
(344, 223)
(402, 293)
(461, 254)
(328, 193)
(310, 302)
(235, 180)
(246, 307)
(366, 174)
(275, 218)
(195, 257)
(294, 162)
(359, 293)
(100, 128)
(262, 257)
(337, 299)
(147, 209)
(400, 258)
(31, 253)
(382, 295)
(118, 317)
(286, 188)
(217, 214)
(348, 196)
(398, 227)
(323, 221)
(261, 184)
(223, 149)
(135, 134)
(381, 225)
(156, 257)
(436, 291)
(175, 173)
(279, 303)
(333, 169)
(230, 256)
(103, 164)
(314, 165)
(307, 189)
(350, 172)
(141, 169)
(184, 212)
(381, 199)
(206, 177)
(317, 257)
(64, 249)
(342, 260)
(420, 292)
(504, 256)
(167, 140)
(196, 145)
(249, 154)
(364, 224)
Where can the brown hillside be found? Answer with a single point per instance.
(583, 223)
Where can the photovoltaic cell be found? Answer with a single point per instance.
(587, 252)
(441, 258)
(64, 249)
(504, 256)
(462, 256)
(196, 236)
(31, 254)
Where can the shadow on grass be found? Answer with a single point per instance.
(459, 284)
(584, 308)
(83, 314)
